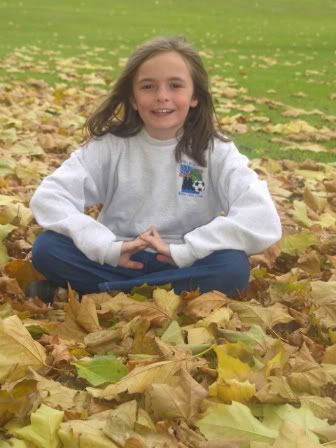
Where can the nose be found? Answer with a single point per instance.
(162, 94)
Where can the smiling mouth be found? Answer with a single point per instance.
(162, 111)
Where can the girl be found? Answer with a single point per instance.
(179, 203)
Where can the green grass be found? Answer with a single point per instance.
(263, 45)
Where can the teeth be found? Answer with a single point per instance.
(163, 110)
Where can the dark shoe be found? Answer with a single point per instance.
(43, 289)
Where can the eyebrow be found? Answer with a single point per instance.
(174, 78)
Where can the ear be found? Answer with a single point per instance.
(133, 103)
(193, 102)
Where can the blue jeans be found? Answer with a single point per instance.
(59, 260)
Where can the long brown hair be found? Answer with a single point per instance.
(116, 114)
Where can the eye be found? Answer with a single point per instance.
(176, 85)
(146, 86)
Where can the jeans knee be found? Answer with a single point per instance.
(232, 272)
(239, 271)
(41, 250)
(227, 271)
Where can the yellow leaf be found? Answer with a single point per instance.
(217, 317)
(233, 390)
(199, 335)
(5, 230)
(11, 210)
(292, 127)
(23, 271)
(299, 213)
(314, 201)
(18, 350)
(232, 384)
(236, 349)
(230, 368)
(274, 362)
(332, 335)
(27, 148)
(327, 220)
(42, 432)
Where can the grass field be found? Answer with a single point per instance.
(275, 49)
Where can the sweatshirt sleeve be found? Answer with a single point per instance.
(250, 221)
(59, 202)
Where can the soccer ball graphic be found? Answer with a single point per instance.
(198, 186)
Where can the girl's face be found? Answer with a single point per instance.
(163, 92)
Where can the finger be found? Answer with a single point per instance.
(165, 259)
(147, 233)
(150, 231)
(153, 242)
(133, 245)
(155, 232)
(145, 237)
(149, 239)
(130, 264)
(140, 244)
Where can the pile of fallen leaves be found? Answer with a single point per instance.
(152, 368)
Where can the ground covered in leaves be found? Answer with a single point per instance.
(154, 369)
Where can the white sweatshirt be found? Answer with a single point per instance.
(196, 210)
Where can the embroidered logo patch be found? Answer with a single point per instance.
(193, 183)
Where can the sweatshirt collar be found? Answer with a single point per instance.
(156, 142)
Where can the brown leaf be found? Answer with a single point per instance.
(204, 304)
(330, 355)
(70, 329)
(310, 262)
(180, 400)
(103, 341)
(277, 390)
(10, 287)
(330, 185)
(220, 444)
(17, 399)
(57, 396)
(268, 257)
(114, 304)
(187, 435)
(138, 380)
(307, 376)
(254, 313)
(147, 310)
(87, 315)
(61, 355)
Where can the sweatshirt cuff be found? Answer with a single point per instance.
(113, 253)
(182, 255)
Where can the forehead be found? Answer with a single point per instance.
(164, 65)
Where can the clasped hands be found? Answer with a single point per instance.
(151, 238)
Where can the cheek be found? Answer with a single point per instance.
(142, 104)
